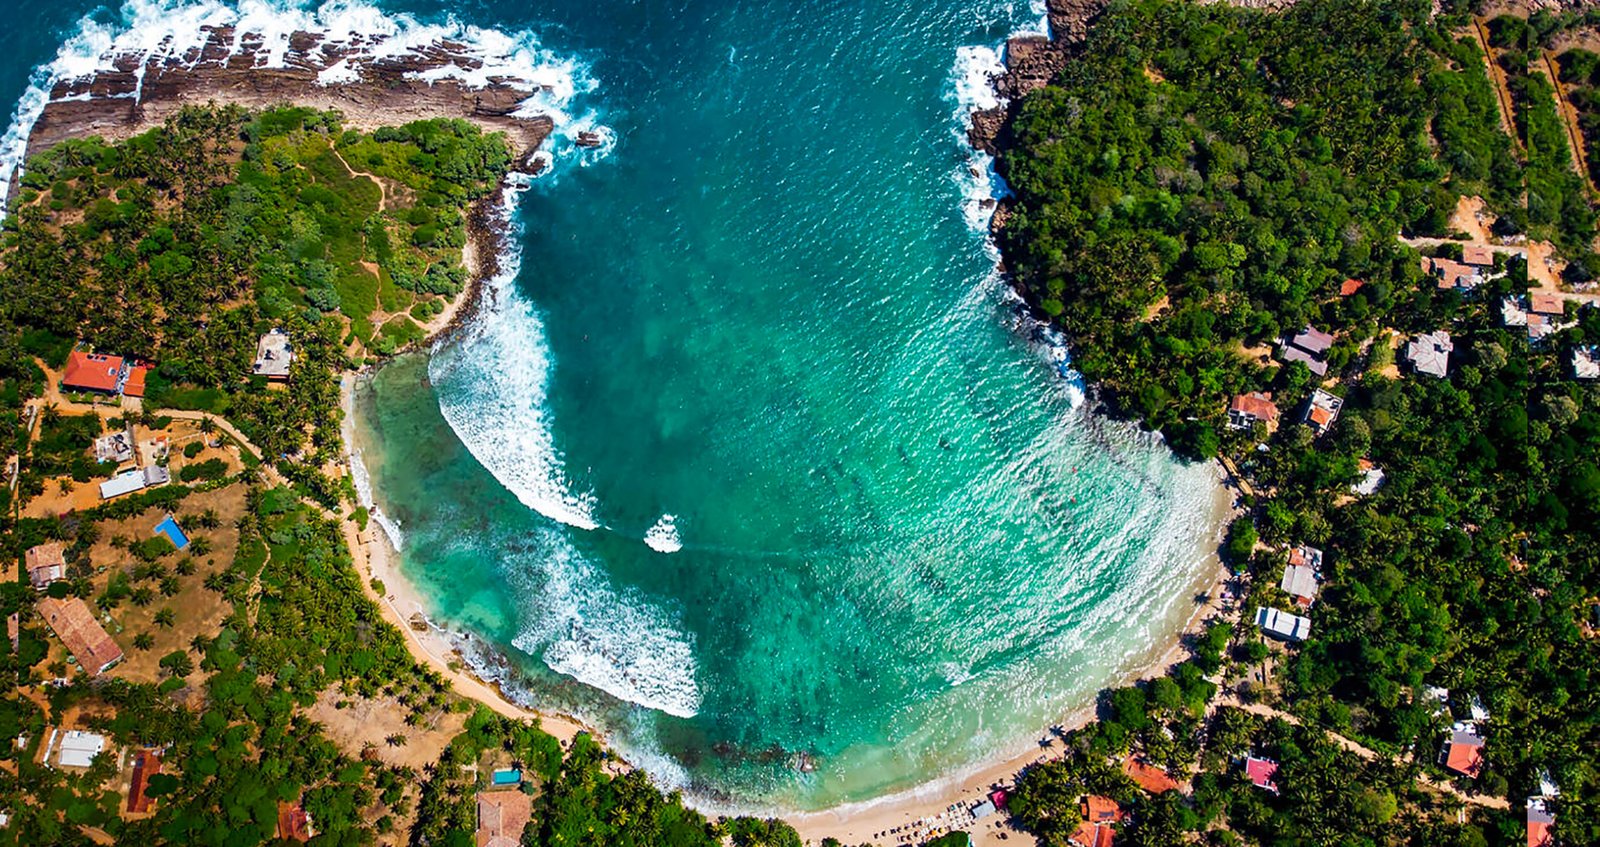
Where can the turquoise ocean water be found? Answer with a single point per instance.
(746, 458)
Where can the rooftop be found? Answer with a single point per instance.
(1429, 353)
(1477, 254)
(78, 748)
(1255, 406)
(92, 371)
(1350, 286)
(1463, 753)
(1301, 583)
(74, 623)
(1262, 773)
(502, 815)
(46, 563)
(1284, 625)
(1541, 303)
(273, 355)
(145, 765)
(1149, 777)
(1586, 363)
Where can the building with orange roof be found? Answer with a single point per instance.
(146, 763)
(133, 386)
(92, 372)
(1248, 409)
(1149, 777)
(1477, 254)
(1349, 287)
(1463, 752)
(84, 637)
(46, 563)
(1323, 410)
(293, 823)
(502, 815)
(1540, 820)
(1541, 303)
(1100, 817)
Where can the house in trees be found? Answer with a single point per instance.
(1429, 353)
(1322, 411)
(274, 354)
(1449, 274)
(115, 447)
(1150, 778)
(1350, 287)
(84, 637)
(502, 815)
(1302, 576)
(1247, 410)
(1546, 315)
(1463, 750)
(1100, 815)
(293, 823)
(96, 372)
(1371, 480)
(146, 763)
(1540, 820)
(46, 563)
(1308, 346)
(1477, 255)
(1262, 773)
(1279, 624)
(1586, 362)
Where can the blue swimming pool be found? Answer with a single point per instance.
(173, 532)
(507, 776)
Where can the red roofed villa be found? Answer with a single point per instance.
(1262, 773)
(1540, 303)
(1477, 254)
(1247, 409)
(1539, 822)
(145, 765)
(502, 815)
(1463, 753)
(1100, 814)
(85, 638)
(1149, 777)
(1350, 286)
(92, 372)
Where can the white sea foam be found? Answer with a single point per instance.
(493, 381)
(971, 89)
(175, 30)
(663, 536)
(618, 642)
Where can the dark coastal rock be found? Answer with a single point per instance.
(139, 92)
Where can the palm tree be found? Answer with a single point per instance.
(396, 740)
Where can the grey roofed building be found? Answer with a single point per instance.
(156, 475)
(1429, 353)
(1586, 362)
(1284, 625)
(273, 356)
(113, 447)
(1310, 346)
(1301, 583)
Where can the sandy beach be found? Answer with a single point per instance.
(943, 804)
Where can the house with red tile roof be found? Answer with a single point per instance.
(1100, 817)
(96, 372)
(1551, 305)
(146, 763)
(1477, 254)
(1322, 410)
(1463, 751)
(1540, 820)
(46, 563)
(74, 623)
(1262, 773)
(133, 386)
(1349, 287)
(1250, 409)
(502, 815)
(1149, 777)
(293, 823)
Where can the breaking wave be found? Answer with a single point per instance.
(663, 536)
(615, 641)
(175, 30)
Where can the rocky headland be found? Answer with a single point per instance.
(371, 86)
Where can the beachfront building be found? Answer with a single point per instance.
(501, 818)
(1149, 778)
(1302, 576)
(1100, 816)
(1463, 750)
(88, 642)
(1452, 275)
(274, 354)
(1247, 410)
(1370, 481)
(1308, 346)
(1322, 411)
(1284, 625)
(1262, 773)
(1586, 362)
(1429, 353)
(46, 563)
(78, 749)
(115, 447)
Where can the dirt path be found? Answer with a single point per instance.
(1502, 93)
(1263, 710)
(1569, 119)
